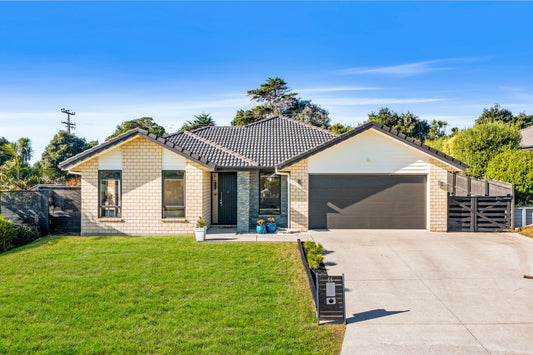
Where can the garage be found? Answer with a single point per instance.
(346, 201)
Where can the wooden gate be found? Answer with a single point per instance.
(479, 213)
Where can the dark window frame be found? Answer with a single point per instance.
(260, 212)
(163, 206)
(100, 206)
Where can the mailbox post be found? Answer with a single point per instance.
(331, 304)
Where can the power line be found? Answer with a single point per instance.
(67, 122)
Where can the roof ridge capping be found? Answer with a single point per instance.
(160, 140)
(384, 129)
(221, 148)
(333, 134)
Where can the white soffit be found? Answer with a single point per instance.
(111, 159)
(173, 161)
(369, 152)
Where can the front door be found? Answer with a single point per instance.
(227, 198)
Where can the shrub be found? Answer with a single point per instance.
(516, 167)
(7, 234)
(314, 254)
(200, 223)
(26, 234)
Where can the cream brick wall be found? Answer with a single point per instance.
(299, 195)
(438, 196)
(142, 195)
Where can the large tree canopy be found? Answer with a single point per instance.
(405, 123)
(61, 147)
(516, 167)
(201, 120)
(146, 123)
(476, 146)
(275, 98)
(274, 94)
(498, 114)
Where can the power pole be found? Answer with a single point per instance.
(67, 122)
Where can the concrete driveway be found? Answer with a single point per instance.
(418, 292)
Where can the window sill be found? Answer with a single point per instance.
(110, 219)
(174, 220)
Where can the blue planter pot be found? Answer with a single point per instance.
(271, 228)
(261, 229)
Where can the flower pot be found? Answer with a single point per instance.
(271, 228)
(200, 234)
(260, 229)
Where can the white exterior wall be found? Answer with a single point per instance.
(370, 152)
(111, 160)
(173, 161)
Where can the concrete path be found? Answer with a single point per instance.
(230, 235)
(417, 292)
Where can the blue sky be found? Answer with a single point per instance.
(112, 62)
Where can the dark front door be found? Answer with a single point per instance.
(367, 202)
(227, 198)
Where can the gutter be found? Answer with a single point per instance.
(288, 195)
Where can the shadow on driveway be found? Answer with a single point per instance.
(373, 314)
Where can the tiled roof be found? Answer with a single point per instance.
(526, 138)
(269, 143)
(384, 129)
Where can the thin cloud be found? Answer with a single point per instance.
(335, 89)
(376, 101)
(409, 69)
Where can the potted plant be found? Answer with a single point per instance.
(261, 228)
(200, 229)
(271, 225)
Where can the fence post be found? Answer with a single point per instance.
(469, 186)
(512, 209)
(473, 223)
(487, 190)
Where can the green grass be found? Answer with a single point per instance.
(74, 295)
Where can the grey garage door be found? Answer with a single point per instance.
(367, 202)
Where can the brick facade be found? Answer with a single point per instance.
(299, 186)
(142, 195)
(438, 196)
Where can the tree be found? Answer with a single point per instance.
(498, 114)
(516, 167)
(18, 154)
(201, 120)
(3, 157)
(437, 129)
(244, 117)
(275, 95)
(339, 128)
(146, 123)
(405, 123)
(60, 148)
(477, 146)
(310, 113)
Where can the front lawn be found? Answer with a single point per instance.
(158, 295)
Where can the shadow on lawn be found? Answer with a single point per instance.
(373, 314)
(48, 240)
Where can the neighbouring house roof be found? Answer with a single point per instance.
(275, 142)
(526, 138)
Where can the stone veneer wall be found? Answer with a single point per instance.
(281, 219)
(299, 199)
(438, 196)
(243, 201)
(142, 195)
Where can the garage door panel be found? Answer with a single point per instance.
(367, 202)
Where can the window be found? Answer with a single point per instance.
(269, 193)
(110, 194)
(173, 194)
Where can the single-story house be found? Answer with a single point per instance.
(371, 177)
